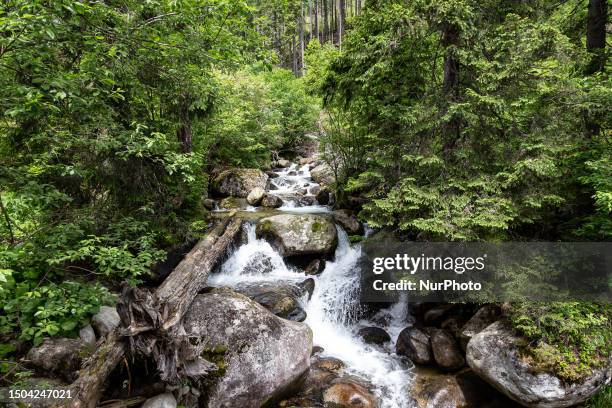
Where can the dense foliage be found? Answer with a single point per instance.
(113, 114)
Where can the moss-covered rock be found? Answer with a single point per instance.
(299, 234)
(239, 182)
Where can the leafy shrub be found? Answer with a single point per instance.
(568, 338)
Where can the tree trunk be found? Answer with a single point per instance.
(325, 21)
(596, 35)
(151, 320)
(183, 133)
(316, 20)
(341, 20)
(301, 22)
(450, 40)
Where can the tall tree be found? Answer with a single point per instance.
(596, 34)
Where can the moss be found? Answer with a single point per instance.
(316, 226)
(569, 339)
(356, 238)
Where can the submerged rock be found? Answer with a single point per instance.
(239, 182)
(414, 344)
(374, 335)
(62, 357)
(348, 221)
(105, 320)
(256, 195)
(494, 355)
(446, 351)
(265, 355)
(299, 234)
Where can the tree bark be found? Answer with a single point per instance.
(325, 21)
(316, 20)
(151, 320)
(341, 20)
(596, 35)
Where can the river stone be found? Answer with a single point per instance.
(315, 267)
(59, 356)
(437, 314)
(87, 335)
(331, 364)
(374, 335)
(446, 351)
(484, 317)
(414, 343)
(280, 298)
(233, 203)
(299, 234)
(282, 163)
(348, 221)
(271, 201)
(166, 400)
(265, 354)
(105, 320)
(256, 195)
(323, 174)
(349, 394)
(239, 182)
(322, 197)
(260, 263)
(493, 354)
(209, 204)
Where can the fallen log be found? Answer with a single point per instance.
(151, 321)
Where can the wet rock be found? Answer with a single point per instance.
(484, 317)
(299, 234)
(271, 201)
(306, 160)
(105, 320)
(322, 197)
(348, 221)
(280, 298)
(323, 175)
(493, 354)
(453, 324)
(265, 354)
(60, 356)
(87, 335)
(317, 350)
(414, 344)
(350, 395)
(209, 204)
(307, 287)
(432, 389)
(314, 190)
(355, 202)
(166, 400)
(315, 267)
(374, 335)
(256, 195)
(446, 351)
(292, 173)
(233, 203)
(239, 182)
(260, 263)
(272, 174)
(330, 364)
(306, 201)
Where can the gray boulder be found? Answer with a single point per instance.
(484, 317)
(62, 357)
(271, 201)
(299, 234)
(446, 351)
(348, 221)
(323, 174)
(87, 335)
(265, 355)
(280, 298)
(105, 320)
(413, 343)
(493, 354)
(256, 195)
(239, 182)
(374, 335)
(166, 400)
(233, 203)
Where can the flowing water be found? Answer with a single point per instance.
(333, 309)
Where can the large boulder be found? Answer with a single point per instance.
(105, 320)
(271, 201)
(265, 355)
(323, 174)
(446, 351)
(374, 335)
(348, 221)
(299, 234)
(233, 203)
(494, 355)
(413, 343)
(239, 182)
(62, 357)
(256, 195)
(484, 317)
